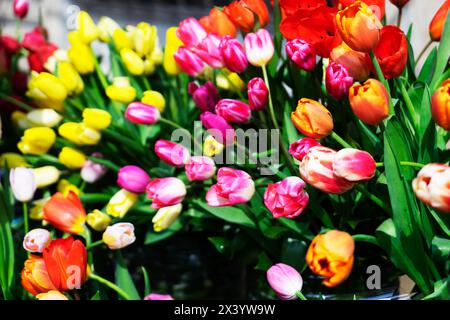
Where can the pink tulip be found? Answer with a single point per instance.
(92, 171)
(172, 153)
(285, 281)
(338, 81)
(234, 111)
(166, 192)
(259, 47)
(208, 51)
(286, 198)
(133, 179)
(317, 170)
(299, 149)
(140, 113)
(200, 169)
(159, 297)
(189, 61)
(233, 187)
(432, 186)
(219, 128)
(205, 96)
(354, 165)
(258, 94)
(20, 8)
(233, 54)
(191, 32)
(301, 54)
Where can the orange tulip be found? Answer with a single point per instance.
(312, 119)
(370, 102)
(35, 278)
(66, 261)
(218, 23)
(438, 22)
(65, 213)
(359, 27)
(243, 12)
(331, 256)
(440, 105)
(354, 61)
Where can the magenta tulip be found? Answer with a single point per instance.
(338, 81)
(258, 94)
(219, 128)
(234, 111)
(133, 179)
(172, 153)
(141, 113)
(158, 297)
(200, 169)
(354, 165)
(301, 54)
(233, 54)
(189, 61)
(166, 192)
(208, 51)
(20, 8)
(299, 149)
(205, 96)
(191, 32)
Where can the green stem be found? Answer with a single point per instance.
(405, 164)
(110, 285)
(340, 140)
(366, 238)
(409, 103)
(400, 14)
(25, 217)
(106, 163)
(94, 245)
(373, 198)
(300, 296)
(16, 102)
(100, 74)
(147, 85)
(94, 198)
(424, 50)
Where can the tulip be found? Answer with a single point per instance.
(79, 133)
(353, 61)
(52, 295)
(234, 111)
(44, 118)
(172, 153)
(46, 176)
(331, 256)
(285, 281)
(98, 221)
(437, 24)
(37, 141)
(312, 119)
(286, 198)
(378, 7)
(20, 8)
(154, 99)
(211, 147)
(47, 91)
(172, 45)
(338, 81)
(12, 160)
(230, 81)
(96, 118)
(317, 170)
(23, 184)
(106, 27)
(191, 32)
(20, 120)
(65, 187)
(165, 217)
(160, 297)
(132, 61)
(122, 39)
(359, 27)
(300, 148)
(144, 39)
(119, 205)
(37, 240)
(354, 165)
(189, 62)
(200, 168)
(65, 213)
(205, 96)
(34, 39)
(166, 192)
(432, 186)
(119, 236)
(70, 78)
(92, 171)
(241, 15)
(35, 278)
(219, 128)
(259, 47)
(82, 58)
(72, 158)
(87, 28)
(133, 179)
(233, 187)
(218, 23)
(370, 102)
(141, 113)
(399, 3)
(440, 106)
(66, 261)
(208, 51)
(121, 90)
(302, 54)
(37, 209)
(258, 94)
(233, 54)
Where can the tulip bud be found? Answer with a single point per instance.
(65, 187)
(82, 58)
(218, 23)
(399, 3)
(172, 44)
(233, 54)
(189, 61)
(312, 119)
(91, 171)
(119, 236)
(440, 105)
(122, 39)
(208, 51)
(12, 160)
(191, 32)
(370, 102)
(258, 94)
(47, 91)
(200, 168)
(211, 147)
(87, 28)
(259, 48)
(52, 295)
(338, 81)
(23, 184)
(234, 111)
(133, 179)
(219, 128)
(79, 133)
(119, 205)
(158, 297)
(37, 141)
(302, 54)
(353, 61)
(144, 38)
(96, 118)
(98, 221)
(34, 277)
(285, 281)
(106, 27)
(437, 24)
(121, 90)
(300, 148)
(37, 240)
(205, 97)
(165, 217)
(71, 79)
(166, 192)
(154, 99)
(44, 118)
(71, 158)
(172, 153)
(230, 82)
(66, 213)
(133, 63)
(354, 165)
(20, 8)
(46, 176)
(432, 186)
(140, 113)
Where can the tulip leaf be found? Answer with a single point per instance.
(124, 279)
(96, 296)
(147, 287)
(294, 253)
(443, 56)
(441, 248)
(230, 214)
(154, 237)
(264, 262)
(426, 74)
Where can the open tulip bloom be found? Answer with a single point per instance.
(303, 149)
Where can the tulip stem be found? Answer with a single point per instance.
(110, 285)
(300, 296)
(25, 217)
(94, 245)
(16, 102)
(340, 140)
(408, 102)
(366, 238)
(399, 20)
(424, 50)
(404, 164)
(373, 198)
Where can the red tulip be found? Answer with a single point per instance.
(8, 47)
(378, 6)
(290, 7)
(39, 49)
(20, 8)
(437, 24)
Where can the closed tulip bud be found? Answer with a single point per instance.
(258, 94)
(359, 27)
(437, 24)
(82, 58)
(354, 165)
(300, 148)
(219, 23)
(12, 160)
(20, 120)
(241, 15)
(189, 62)
(172, 44)
(119, 236)
(312, 119)
(230, 82)
(91, 171)
(71, 158)
(106, 27)
(233, 187)
(287, 198)
(65, 213)
(208, 51)
(440, 106)
(121, 90)
(35, 278)
(133, 179)
(154, 99)
(172, 153)
(132, 61)
(149, 67)
(200, 168)
(165, 217)
(302, 54)
(259, 48)
(399, 3)
(87, 28)
(65, 187)
(20, 8)
(338, 81)
(46, 176)
(233, 55)
(98, 221)
(205, 96)
(122, 39)
(355, 62)
(191, 32)
(37, 141)
(166, 192)
(432, 186)
(79, 133)
(44, 118)
(96, 118)
(119, 205)
(141, 113)
(317, 170)
(70, 78)
(212, 147)
(47, 91)
(52, 295)
(370, 102)
(285, 281)
(23, 184)
(219, 128)
(144, 39)
(233, 111)
(37, 240)
(330, 255)
(158, 297)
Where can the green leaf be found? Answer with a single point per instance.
(96, 296)
(264, 262)
(124, 279)
(147, 287)
(441, 248)
(153, 237)
(426, 74)
(220, 243)
(229, 214)
(294, 253)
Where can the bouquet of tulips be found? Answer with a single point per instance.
(316, 155)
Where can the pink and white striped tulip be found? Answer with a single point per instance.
(205, 96)
(172, 153)
(133, 179)
(299, 149)
(208, 51)
(166, 192)
(285, 281)
(233, 54)
(286, 198)
(259, 47)
(301, 54)
(432, 186)
(233, 187)
(338, 81)
(234, 111)
(219, 128)
(191, 32)
(37, 240)
(92, 171)
(354, 165)
(141, 113)
(189, 61)
(200, 168)
(258, 94)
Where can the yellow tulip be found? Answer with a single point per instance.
(172, 45)
(144, 39)
(37, 141)
(46, 176)
(53, 62)
(133, 63)
(70, 78)
(79, 134)
(36, 211)
(12, 160)
(212, 147)
(47, 91)
(149, 66)
(166, 217)
(43, 118)
(121, 90)
(96, 118)
(72, 158)
(19, 119)
(65, 187)
(121, 203)
(74, 38)
(230, 81)
(155, 99)
(157, 55)
(87, 28)
(106, 27)
(98, 221)
(122, 40)
(82, 58)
